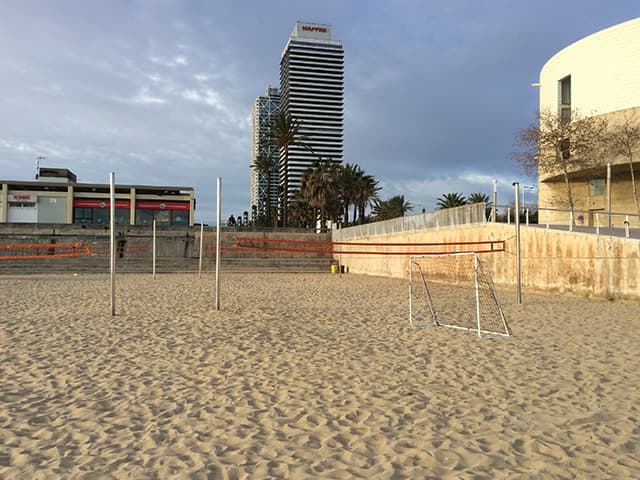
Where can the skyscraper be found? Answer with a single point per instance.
(264, 109)
(312, 89)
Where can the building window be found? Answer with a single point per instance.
(564, 101)
(565, 90)
(144, 216)
(565, 149)
(180, 217)
(83, 216)
(163, 217)
(99, 216)
(164, 213)
(596, 187)
(121, 216)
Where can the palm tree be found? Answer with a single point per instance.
(478, 198)
(451, 200)
(366, 193)
(284, 132)
(394, 207)
(300, 213)
(264, 166)
(348, 177)
(320, 188)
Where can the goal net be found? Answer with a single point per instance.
(454, 290)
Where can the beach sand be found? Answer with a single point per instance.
(307, 376)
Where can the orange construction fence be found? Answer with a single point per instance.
(53, 250)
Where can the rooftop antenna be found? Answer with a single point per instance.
(38, 158)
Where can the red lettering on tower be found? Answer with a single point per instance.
(309, 28)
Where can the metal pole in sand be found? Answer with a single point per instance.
(201, 244)
(495, 201)
(218, 211)
(112, 238)
(153, 248)
(609, 193)
(516, 186)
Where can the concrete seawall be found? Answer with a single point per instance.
(177, 248)
(577, 263)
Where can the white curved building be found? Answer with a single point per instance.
(597, 75)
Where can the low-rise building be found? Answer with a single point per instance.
(56, 197)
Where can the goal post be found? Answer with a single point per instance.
(455, 290)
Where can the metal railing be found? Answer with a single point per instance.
(466, 214)
(595, 220)
(589, 221)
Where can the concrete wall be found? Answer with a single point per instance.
(171, 242)
(577, 263)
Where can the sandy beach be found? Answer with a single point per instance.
(307, 376)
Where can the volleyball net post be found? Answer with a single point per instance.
(218, 238)
(153, 249)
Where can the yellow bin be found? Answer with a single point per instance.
(334, 268)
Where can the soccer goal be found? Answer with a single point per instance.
(454, 290)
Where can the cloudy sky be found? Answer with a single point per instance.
(160, 91)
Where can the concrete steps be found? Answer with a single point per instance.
(165, 265)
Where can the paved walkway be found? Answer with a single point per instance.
(614, 232)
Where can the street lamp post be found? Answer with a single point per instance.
(526, 187)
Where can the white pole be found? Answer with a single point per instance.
(112, 239)
(626, 226)
(495, 201)
(410, 291)
(547, 219)
(609, 192)
(201, 243)
(597, 224)
(475, 268)
(526, 213)
(516, 187)
(509, 215)
(218, 221)
(153, 248)
(571, 220)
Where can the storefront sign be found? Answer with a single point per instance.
(22, 198)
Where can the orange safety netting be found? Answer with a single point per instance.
(370, 248)
(53, 250)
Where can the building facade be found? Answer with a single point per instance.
(265, 108)
(312, 90)
(597, 75)
(56, 197)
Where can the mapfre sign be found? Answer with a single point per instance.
(312, 30)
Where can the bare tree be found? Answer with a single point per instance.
(625, 141)
(562, 146)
